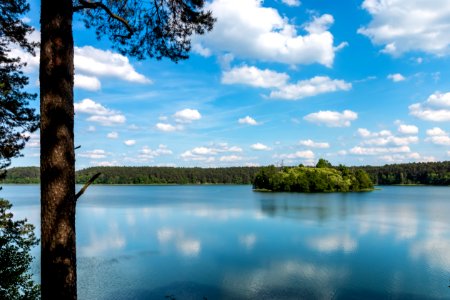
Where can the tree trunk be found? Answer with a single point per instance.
(58, 249)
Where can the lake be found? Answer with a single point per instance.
(228, 242)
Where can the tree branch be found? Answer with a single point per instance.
(95, 5)
(86, 185)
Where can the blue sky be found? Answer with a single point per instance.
(283, 81)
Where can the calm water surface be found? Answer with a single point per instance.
(227, 242)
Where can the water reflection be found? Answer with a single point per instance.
(227, 242)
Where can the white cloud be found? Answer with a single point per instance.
(112, 135)
(89, 83)
(91, 128)
(260, 147)
(397, 77)
(254, 77)
(307, 154)
(99, 62)
(248, 30)
(230, 158)
(408, 129)
(443, 140)
(146, 153)
(291, 2)
(187, 115)
(438, 136)
(391, 140)
(363, 132)
(312, 144)
(379, 150)
(166, 127)
(436, 108)
(409, 25)
(248, 120)
(99, 113)
(278, 82)
(129, 142)
(208, 154)
(332, 118)
(311, 87)
(94, 154)
(436, 131)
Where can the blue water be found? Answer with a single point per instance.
(227, 242)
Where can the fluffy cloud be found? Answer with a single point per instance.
(89, 83)
(312, 144)
(396, 77)
(385, 137)
(187, 115)
(311, 87)
(307, 154)
(278, 83)
(408, 129)
(363, 132)
(99, 113)
(98, 62)
(146, 153)
(260, 147)
(392, 140)
(254, 77)
(248, 120)
(88, 60)
(438, 136)
(129, 142)
(166, 127)
(291, 2)
(248, 30)
(436, 131)
(409, 25)
(208, 154)
(94, 154)
(443, 140)
(332, 118)
(112, 135)
(231, 158)
(379, 150)
(436, 108)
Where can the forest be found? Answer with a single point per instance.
(146, 175)
(324, 178)
(430, 173)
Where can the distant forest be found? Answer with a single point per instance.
(146, 175)
(432, 173)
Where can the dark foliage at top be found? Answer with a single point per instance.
(16, 240)
(159, 28)
(16, 119)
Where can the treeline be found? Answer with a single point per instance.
(146, 175)
(324, 178)
(430, 173)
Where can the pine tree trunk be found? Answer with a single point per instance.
(58, 249)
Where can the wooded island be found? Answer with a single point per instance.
(324, 178)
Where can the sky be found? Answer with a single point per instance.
(283, 82)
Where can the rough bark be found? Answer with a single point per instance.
(58, 249)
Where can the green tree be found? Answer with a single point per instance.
(16, 240)
(323, 163)
(17, 119)
(138, 28)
